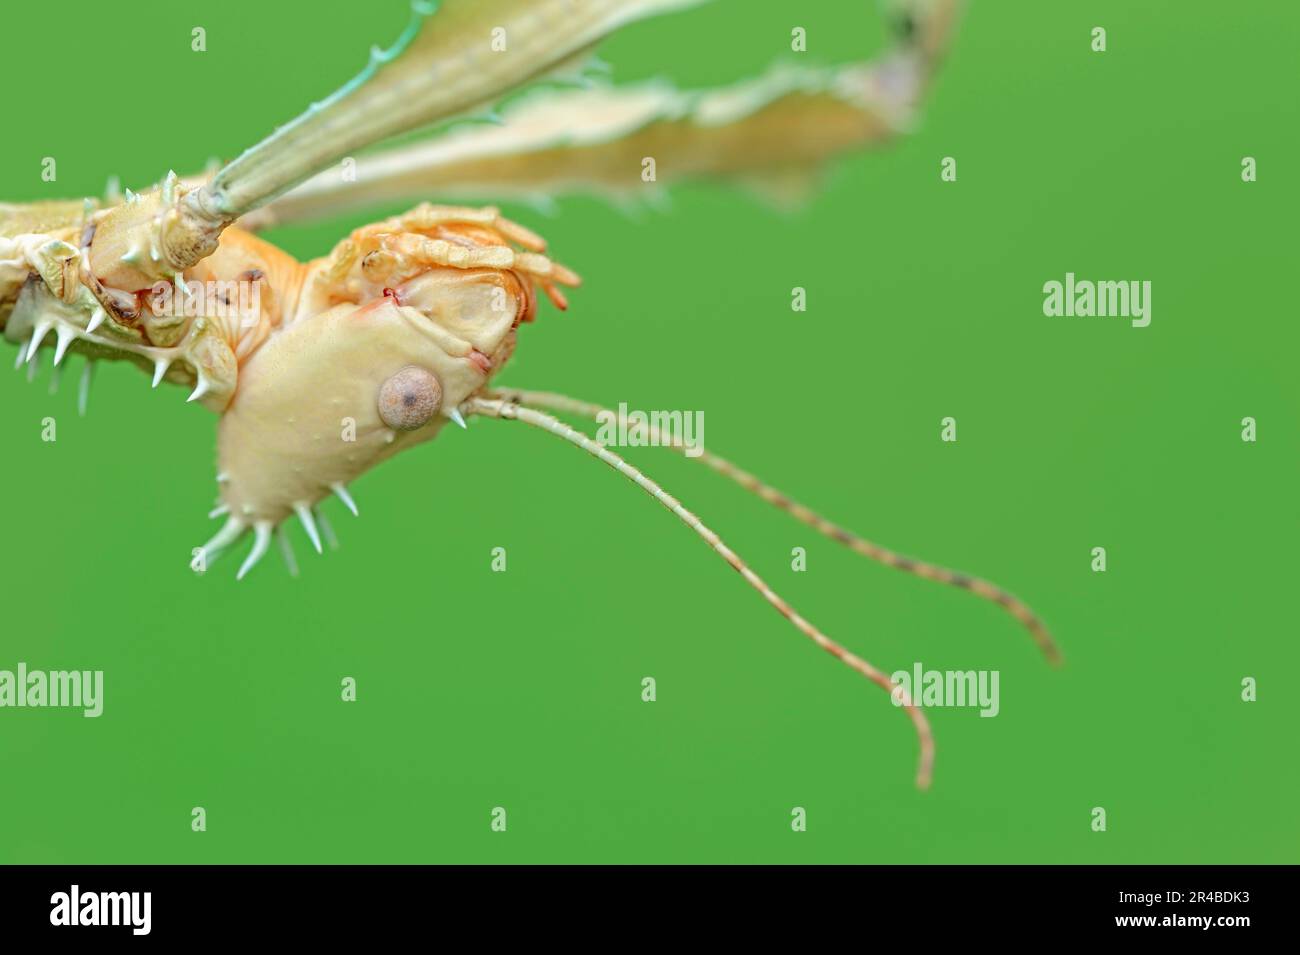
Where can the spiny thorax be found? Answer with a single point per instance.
(191, 328)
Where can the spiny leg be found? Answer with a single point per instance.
(495, 408)
(981, 588)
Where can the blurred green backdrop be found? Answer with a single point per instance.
(522, 690)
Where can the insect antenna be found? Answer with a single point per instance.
(806, 515)
(511, 411)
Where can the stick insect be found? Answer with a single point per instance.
(404, 326)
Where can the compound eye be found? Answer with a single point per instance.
(408, 399)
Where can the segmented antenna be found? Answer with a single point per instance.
(510, 411)
(806, 515)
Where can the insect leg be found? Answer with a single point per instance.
(981, 588)
(515, 412)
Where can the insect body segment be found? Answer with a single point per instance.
(194, 328)
(399, 325)
(321, 370)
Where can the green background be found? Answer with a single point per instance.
(522, 689)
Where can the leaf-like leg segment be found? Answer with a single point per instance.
(770, 134)
(806, 515)
(455, 55)
(444, 64)
(511, 411)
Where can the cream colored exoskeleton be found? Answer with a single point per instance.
(380, 344)
(321, 370)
